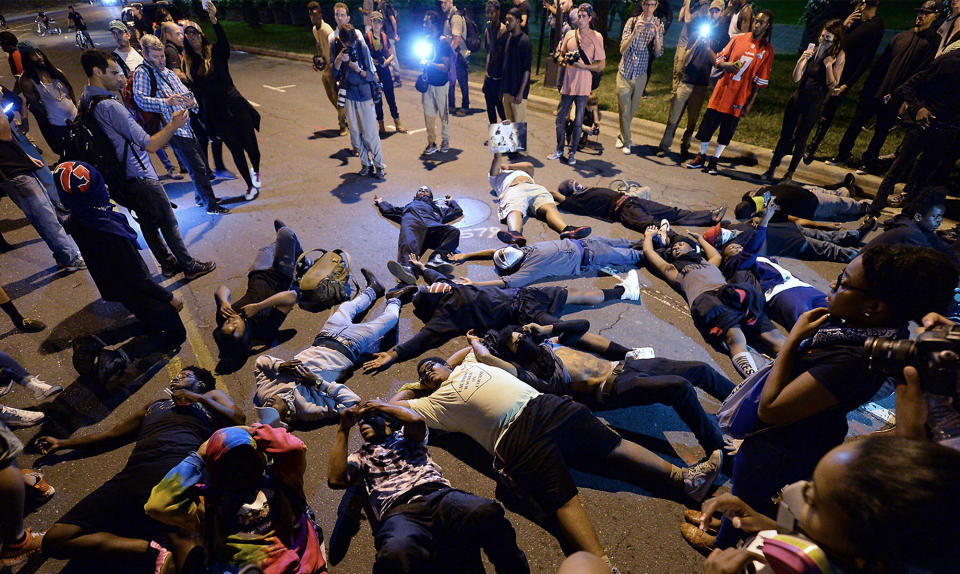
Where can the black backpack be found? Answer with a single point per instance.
(86, 141)
(473, 33)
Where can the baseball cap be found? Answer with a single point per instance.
(507, 257)
(185, 24)
(931, 7)
(717, 4)
(118, 25)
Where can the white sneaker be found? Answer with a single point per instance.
(631, 286)
(625, 149)
(255, 178)
(664, 232)
(19, 417)
(640, 353)
(619, 143)
(40, 389)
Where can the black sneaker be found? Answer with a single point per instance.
(365, 171)
(402, 272)
(717, 214)
(868, 224)
(440, 266)
(574, 232)
(661, 152)
(278, 224)
(199, 268)
(217, 209)
(169, 269)
(697, 162)
(684, 154)
(372, 282)
(838, 160)
(511, 238)
(379, 173)
(712, 167)
(403, 293)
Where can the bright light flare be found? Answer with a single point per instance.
(705, 30)
(423, 49)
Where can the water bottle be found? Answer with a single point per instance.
(943, 420)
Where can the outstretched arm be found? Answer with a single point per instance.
(340, 473)
(124, 430)
(659, 264)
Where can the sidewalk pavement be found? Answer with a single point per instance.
(817, 173)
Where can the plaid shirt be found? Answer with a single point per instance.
(168, 84)
(636, 58)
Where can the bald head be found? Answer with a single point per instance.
(171, 31)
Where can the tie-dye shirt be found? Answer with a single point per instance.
(391, 468)
(275, 531)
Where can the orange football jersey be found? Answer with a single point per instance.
(734, 87)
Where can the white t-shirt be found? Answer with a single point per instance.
(478, 400)
(502, 181)
(131, 58)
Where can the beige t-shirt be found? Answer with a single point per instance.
(478, 400)
(322, 36)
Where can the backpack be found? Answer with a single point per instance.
(151, 122)
(473, 33)
(324, 282)
(471, 37)
(92, 358)
(86, 141)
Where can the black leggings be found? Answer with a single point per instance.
(386, 79)
(801, 115)
(493, 97)
(241, 138)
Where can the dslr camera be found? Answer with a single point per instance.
(342, 75)
(934, 353)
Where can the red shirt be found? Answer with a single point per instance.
(734, 88)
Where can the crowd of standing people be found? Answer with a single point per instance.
(202, 491)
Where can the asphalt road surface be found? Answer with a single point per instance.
(310, 182)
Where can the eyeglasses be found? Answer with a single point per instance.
(428, 368)
(839, 283)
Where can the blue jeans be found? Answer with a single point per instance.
(563, 112)
(188, 154)
(43, 174)
(360, 338)
(30, 197)
(18, 373)
(602, 251)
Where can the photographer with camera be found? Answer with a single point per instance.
(436, 58)
(823, 372)
(640, 42)
(383, 54)
(581, 54)
(932, 120)
(690, 91)
(321, 60)
(358, 86)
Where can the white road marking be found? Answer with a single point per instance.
(281, 89)
(411, 132)
(254, 104)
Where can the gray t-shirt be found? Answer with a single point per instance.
(546, 259)
(119, 125)
(698, 278)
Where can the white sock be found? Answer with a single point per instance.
(703, 147)
(719, 150)
(744, 364)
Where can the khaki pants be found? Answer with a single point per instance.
(686, 97)
(515, 112)
(330, 87)
(435, 110)
(678, 59)
(629, 92)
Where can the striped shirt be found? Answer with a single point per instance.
(168, 84)
(636, 58)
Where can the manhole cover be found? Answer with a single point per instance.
(474, 212)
